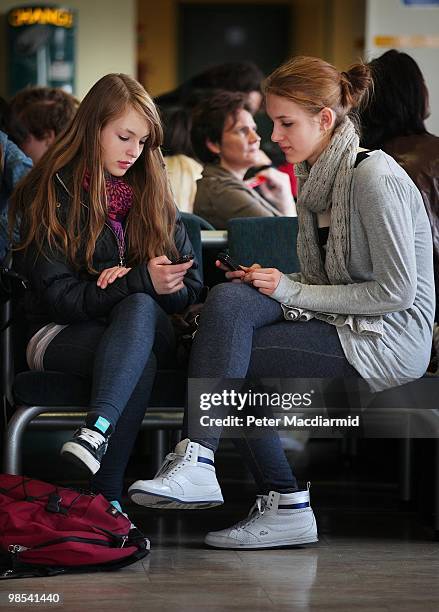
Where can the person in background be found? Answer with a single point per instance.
(225, 139)
(394, 120)
(362, 304)
(243, 77)
(99, 235)
(236, 77)
(176, 107)
(38, 116)
(14, 165)
(183, 170)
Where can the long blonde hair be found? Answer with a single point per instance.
(151, 220)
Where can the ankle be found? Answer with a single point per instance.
(298, 500)
(116, 504)
(99, 424)
(204, 449)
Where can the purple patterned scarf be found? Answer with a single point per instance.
(119, 201)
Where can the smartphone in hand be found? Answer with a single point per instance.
(225, 259)
(182, 259)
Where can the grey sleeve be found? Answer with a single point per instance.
(385, 206)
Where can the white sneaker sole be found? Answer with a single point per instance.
(80, 456)
(152, 500)
(218, 542)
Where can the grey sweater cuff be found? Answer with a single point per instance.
(285, 290)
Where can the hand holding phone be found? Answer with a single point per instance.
(227, 261)
(232, 266)
(165, 277)
(182, 259)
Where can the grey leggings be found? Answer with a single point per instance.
(243, 333)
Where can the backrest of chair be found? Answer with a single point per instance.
(194, 224)
(13, 332)
(13, 327)
(269, 241)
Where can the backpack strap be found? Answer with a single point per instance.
(11, 567)
(360, 157)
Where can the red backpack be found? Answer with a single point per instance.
(47, 530)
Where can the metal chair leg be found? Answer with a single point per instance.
(12, 461)
(406, 452)
(436, 489)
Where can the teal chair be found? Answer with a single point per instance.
(194, 224)
(269, 241)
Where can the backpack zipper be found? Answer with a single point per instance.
(17, 548)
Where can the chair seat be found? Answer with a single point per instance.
(61, 389)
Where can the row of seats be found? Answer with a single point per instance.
(53, 400)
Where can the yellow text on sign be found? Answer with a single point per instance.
(42, 16)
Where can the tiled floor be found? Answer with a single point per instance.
(372, 555)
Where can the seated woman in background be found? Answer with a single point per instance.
(99, 229)
(224, 138)
(183, 170)
(365, 290)
(393, 121)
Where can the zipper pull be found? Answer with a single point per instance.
(124, 539)
(16, 548)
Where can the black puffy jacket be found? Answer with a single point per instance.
(60, 294)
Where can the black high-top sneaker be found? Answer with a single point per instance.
(86, 449)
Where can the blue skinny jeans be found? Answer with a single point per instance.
(243, 334)
(120, 355)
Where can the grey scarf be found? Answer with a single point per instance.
(327, 186)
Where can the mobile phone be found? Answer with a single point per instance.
(182, 259)
(225, 259)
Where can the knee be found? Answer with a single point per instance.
(137, 305)
(229, 299)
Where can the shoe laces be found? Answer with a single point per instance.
(93, 438)
(167, 464)
(255, 512)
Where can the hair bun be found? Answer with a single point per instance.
(354, 84)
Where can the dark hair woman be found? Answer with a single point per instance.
(393, 120)
(225, 139)
(99, 229)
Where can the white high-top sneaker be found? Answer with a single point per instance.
(186, 480)
(274, 521)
